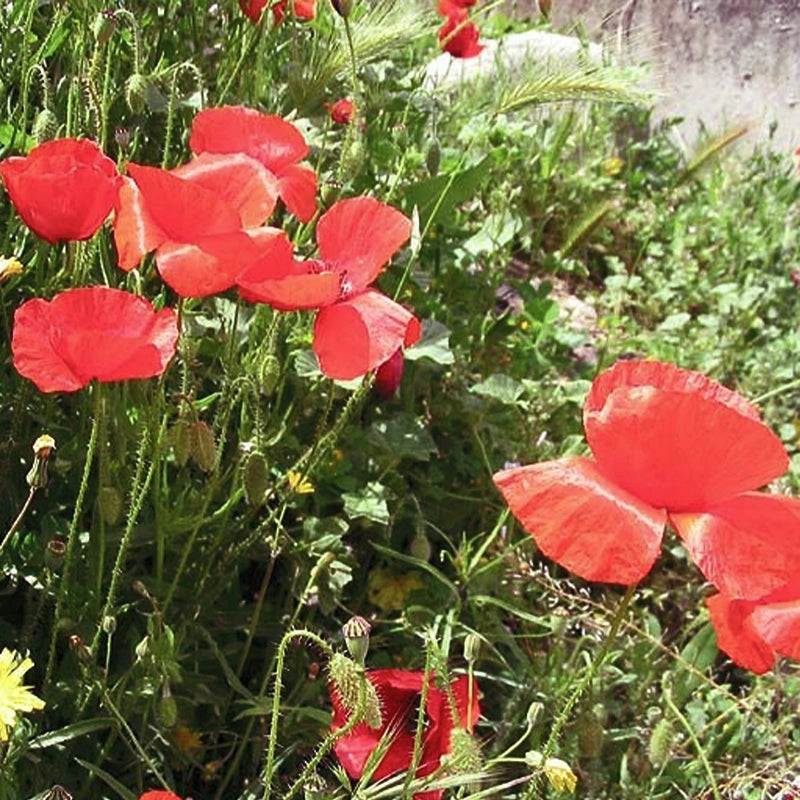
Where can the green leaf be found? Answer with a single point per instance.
(500, 387)
(437, 197)
(403, 436)
(370, 504)
(123, 791)
(69, 732)
(434, 344)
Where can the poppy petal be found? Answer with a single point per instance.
(182, 208)
(357, 335)
(246, 185)
(298, 189)
(779, 625)
(736, 634)
(136, 233)
(285, 284)
(358, 236)
(753, 529)
(212, 263)
(269, 139)
(582, 520)
(92, 332)
(677, 439)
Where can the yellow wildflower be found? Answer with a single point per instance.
(9, 267)
(559, 774)
(14, 697)
(298, 483)
(612, 166)
(187, 740)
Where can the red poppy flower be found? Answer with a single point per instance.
(341, 111)
(203, 220)
(357, 328)
(458, 36)
(389, 375)
(399, 693)
(447, 8)
(271, 140)
(665, 441)
(63, 190)
(754, 633)
(94, 332)
(156, 794)
(302, 9)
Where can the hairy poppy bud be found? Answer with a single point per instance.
(661, 742)
(45, 126)
(167, 710)
(356, 636)
(347, 678)
(109, 504)
(136, 92)
(203, 446)
(465, 753)
(42, 447)
(268, 374)
(591, 734)
(255, 478)
(433, 158)
(180, 436)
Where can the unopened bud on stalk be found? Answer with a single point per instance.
(45, 126)
(356, 636)
(342, 7)
(136, 92)
(81, 651)
(42, 447)
(104, 26)
(472, 647)
(465, 753)
(54, 555)
(348, 678)
(109, 625)
(167, 710)
(535, 710)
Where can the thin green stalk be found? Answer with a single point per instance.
(18, 521)
(687, 726)
(276, 699)
(597, 661)
(72, 535)
(138, 493)
(419, 731)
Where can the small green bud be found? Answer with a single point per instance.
(109, 503)
(420, 546)
(256, 478)
(167, 710)
(591, 734)
(181, 438)
(472, 647)
(330, 191)
(342, 7)
(465, 753)
(54, 555)
(203, 446)
(269, 374)
(104, 26)
(433, 158)
(143, 649)
(535, 710)
(109, 625)
(45, 126)
(662, 740)
(136, 92)
(356, 636)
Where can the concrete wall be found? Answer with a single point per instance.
(722, 62)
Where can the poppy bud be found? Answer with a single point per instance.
(256, 478)
(465, 753)
(181, 438)
(420, 546)
(45, 126)
(591, 734)
(389, 375)
(472, 647)
(347, 678)
(268, 374)
(109, 504)
(535, 710)
(104, 26)
(122, 136)
(109, 625)
(54, 555)
(136, 92)
(433, 158)
(167, 710)
(203, 446)
(42, 447)
(356, 636)
(342, 7)
(142, 649)
(661, 742)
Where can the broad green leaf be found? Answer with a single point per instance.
(500, 387)
(403, 436)
(434, 344)
(370, 504)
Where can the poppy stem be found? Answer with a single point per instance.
(18, 521)
(597, 662)
(776, 391)
(276, 707)
(72, 535)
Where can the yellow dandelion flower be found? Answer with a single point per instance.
(560, 775)
(298, 483)
(186, 740)
(389, 591)
(612, 166)
(14, 697)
